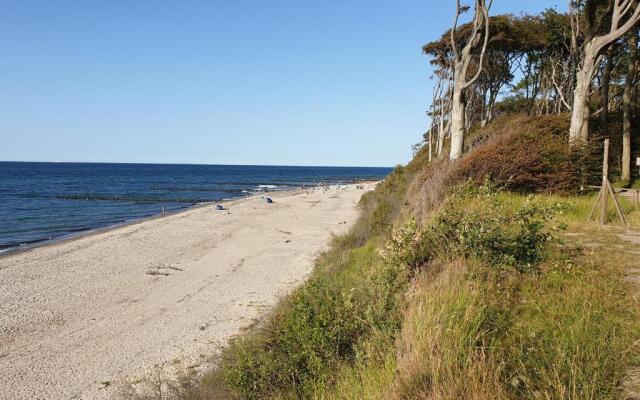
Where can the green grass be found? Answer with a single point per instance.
(310, 333)
(576, 209)
(570, 334)
(447, 338)
(621, 184)
(562, 332)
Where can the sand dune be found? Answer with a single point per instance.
(80, 315)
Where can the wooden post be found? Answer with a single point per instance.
(605, 191)
(595, 205)
(616, 204)
(604, 205)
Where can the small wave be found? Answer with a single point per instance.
(5, 247)
(195, 189)
(222, 186)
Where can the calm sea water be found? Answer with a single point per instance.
(42, 201)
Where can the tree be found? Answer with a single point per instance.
(441, 109)
(606, 84)
(461, 62)
(511, 41)
(621, 16)
(525, 43)
(628, 105)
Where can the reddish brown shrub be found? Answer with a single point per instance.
(520, 153)
(535, 160)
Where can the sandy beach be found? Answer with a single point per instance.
(79, 316)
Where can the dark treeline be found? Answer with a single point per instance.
(582, 63)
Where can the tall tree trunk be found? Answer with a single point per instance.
(457, 122)
(584, 133)
(627, 106)
(580, 110)
(440, 139)
(625, 14)
(606, 81)
(430, 143)
(484, 107)
(460, 66)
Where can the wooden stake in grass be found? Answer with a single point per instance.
(604, 206)
(605, 191)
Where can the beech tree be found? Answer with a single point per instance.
(461, 62)
(562, 61)
(630, 83)
(619, 16)
(512, 43)
(441, 107)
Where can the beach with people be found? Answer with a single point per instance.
(81, 317)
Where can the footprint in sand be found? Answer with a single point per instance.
(162, 271)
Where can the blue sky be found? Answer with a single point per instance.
(333, 82)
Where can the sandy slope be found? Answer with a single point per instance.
(111, 305)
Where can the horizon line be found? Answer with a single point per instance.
(200, 164)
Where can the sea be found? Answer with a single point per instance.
(46, 201)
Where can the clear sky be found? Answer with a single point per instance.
(331, 82)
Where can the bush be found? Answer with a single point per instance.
(381, 208)
(518, 153)
(315, 329)
(478, 223)
(326, 323)
(529, 155)
(306, 336)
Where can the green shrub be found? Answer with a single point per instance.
(306, 336)
(478, 223)
(381, 208)
(326, 323)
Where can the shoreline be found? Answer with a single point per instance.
(109, 305)
(106, 228)
(103, 229)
